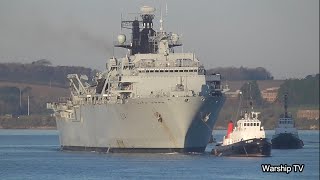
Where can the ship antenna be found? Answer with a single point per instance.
(161, 20)
(251, 102)
(166, 9)
(240, 102)
(286, 105)
(120, 22)
(113, 44)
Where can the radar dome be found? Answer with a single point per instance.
(121, 38)
(147, 10)
(174, 38)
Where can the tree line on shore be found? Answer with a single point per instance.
(41, 72)
(242, 73)
(302, 92)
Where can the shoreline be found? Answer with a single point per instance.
(54, 128)
(31, 128)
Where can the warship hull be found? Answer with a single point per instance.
(286, 141)
(167, 124)
(249, 148)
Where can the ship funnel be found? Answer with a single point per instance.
(230, 128)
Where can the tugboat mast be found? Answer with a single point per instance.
(286, 105)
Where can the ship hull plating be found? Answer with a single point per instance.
(171, 124)
(132, 150)
(249, 148)
(286, 141)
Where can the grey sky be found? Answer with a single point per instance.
(280, 35)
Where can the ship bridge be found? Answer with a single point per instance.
(144, 39)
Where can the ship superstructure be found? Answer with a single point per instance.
(151, 100)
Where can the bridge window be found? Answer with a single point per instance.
(156, 70)
(170, 70)
(161, 70)
(185, 70)
(176, 71)
(180, 70)
(147, 71)
(166, 71)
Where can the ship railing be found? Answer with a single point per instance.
(144, 64)
(167, 65)
(213, 78)
(168, 70)
(99, 99)
(63, 99)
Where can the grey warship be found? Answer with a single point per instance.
(151, 100)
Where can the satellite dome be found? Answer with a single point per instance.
(121, 38)
(147, 10)
(174, 38)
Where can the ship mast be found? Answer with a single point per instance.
(286, 105)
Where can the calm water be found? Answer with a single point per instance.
(35, 154)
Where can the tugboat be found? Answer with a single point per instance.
(286, 134)
(248, 138)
